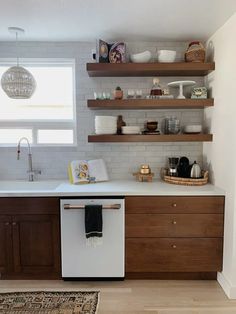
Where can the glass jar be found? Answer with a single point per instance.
(172, 125)
(156, 88)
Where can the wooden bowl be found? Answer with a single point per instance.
(152, 125)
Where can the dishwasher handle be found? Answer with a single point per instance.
(112, 206)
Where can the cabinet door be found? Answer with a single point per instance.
(5, 245)
(36, 245)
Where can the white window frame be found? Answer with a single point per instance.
(39, 124)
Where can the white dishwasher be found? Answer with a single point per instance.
(80, 261)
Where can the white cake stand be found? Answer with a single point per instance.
(181, 84)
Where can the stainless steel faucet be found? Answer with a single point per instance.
(30, 171)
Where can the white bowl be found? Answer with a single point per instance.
(166, 55)
(142, 57)
(131, 129)
(193, 128)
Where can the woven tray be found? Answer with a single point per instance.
(186, 181)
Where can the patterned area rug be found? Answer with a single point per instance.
(49, 302)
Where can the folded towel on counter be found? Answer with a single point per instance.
(93, 224)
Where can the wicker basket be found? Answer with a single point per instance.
(195, 52)
(186, 181)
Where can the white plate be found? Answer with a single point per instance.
(106, 127)
(105, 132)
(108, 122)
(105, 118)
(131, 132)
(105, 122)
(130, 128)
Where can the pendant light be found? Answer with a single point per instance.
(17, 82)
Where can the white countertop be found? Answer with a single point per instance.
(60, 188)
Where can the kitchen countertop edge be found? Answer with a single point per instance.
(113, 188)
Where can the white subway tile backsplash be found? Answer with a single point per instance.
(122, 159)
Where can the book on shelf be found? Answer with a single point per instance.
(87, 171)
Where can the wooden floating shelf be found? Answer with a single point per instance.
(150, 69)
(150, 104)
(150, 138)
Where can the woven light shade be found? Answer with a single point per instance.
(18, 83)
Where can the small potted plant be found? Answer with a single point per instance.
(118, 93)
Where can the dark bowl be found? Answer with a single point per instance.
(152, 126)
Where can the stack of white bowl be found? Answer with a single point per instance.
(131, 130)
(105, 125)
(166, 56)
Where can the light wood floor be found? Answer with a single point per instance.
(143, 296)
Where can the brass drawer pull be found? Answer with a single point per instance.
(174, 205)
(14, 224)
(7, 223)
(174, 246)
(174, 222)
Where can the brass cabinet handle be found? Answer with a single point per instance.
(174, 222)
(7, 223)
(174, 246)
(14, 224)
(112, 206)
(174, 205)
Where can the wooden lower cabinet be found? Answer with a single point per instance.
(30, 243)
(174, 237)
(167, 237)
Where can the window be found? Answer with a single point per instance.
(48, 117)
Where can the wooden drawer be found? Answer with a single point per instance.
(174, 204)
(174, 225)
(29, 205)
(173, 255)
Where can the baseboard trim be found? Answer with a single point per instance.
(227, 286)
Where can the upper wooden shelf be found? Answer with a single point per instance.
(149, 104)
(150, 69)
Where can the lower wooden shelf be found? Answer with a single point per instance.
(150, 138)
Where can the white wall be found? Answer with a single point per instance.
(220, 154)
(122, 159)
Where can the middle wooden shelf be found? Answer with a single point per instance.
(142, 104)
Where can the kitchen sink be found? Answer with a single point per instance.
(28, 186)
